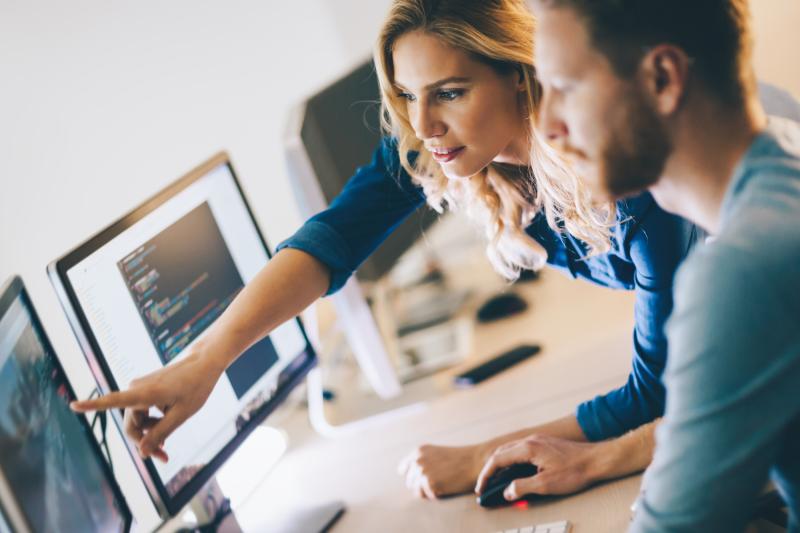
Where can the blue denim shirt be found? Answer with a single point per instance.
(648, 245)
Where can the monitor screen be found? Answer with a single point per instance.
(49, 460)
(143, 290)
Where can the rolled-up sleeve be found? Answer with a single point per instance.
(372, 204)
(656, 242)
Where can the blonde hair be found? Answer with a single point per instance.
(504, 198)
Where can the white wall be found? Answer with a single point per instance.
(104, 102)
(777, 51)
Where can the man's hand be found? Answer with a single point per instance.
(565, 466)
(436, 471)
(178, 391)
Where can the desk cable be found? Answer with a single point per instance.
(101, 416)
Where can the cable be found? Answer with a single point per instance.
(101, 416)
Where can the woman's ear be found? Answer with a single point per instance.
(665, 74)
(520, 73)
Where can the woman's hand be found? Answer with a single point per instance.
(565, 466)
(436, 471)
(178, 391)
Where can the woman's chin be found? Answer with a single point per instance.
(458, 174)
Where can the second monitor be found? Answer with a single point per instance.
(139, 293)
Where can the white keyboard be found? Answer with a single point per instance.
(552, 527)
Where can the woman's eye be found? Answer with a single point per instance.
(407, 96)
(449, 95)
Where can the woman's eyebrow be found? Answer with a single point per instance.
(437, 84)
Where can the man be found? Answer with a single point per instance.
(660, 95)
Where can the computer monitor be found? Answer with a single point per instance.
(53, 476)
(329, 136)
(141, 291)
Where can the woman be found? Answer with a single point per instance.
(460, 100)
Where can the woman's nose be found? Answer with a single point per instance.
(427, 124)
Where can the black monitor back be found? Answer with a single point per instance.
(340, 131)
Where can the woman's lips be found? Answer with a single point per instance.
(445, 155)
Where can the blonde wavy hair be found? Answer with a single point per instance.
(503, 198)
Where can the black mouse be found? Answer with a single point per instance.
(501, 306)
(492, 495)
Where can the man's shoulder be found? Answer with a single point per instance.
(775, 152)
(778, 102)
(761, 215)
(754, 261)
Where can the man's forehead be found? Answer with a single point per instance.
(562, 40)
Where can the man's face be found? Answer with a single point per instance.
(603, 123)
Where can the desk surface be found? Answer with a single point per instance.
(586, 335)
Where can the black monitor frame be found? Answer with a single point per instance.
(289, 378)
(9, 293)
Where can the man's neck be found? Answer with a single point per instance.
(709, 142)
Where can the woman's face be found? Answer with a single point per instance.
(465, 112)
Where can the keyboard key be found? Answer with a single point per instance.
(552, 527)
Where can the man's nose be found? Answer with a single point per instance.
(550, 122)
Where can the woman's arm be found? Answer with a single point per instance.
(372, 204)
(654, 243)
(435, 471)
(318, 259)
(568, 463)
(650, 246)
(566, 467)
(283, 288)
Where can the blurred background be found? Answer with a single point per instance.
(104, 102)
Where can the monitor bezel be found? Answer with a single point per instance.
(13, 289)
(166, 505)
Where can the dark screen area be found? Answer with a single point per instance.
(54, 470)
(181, 281)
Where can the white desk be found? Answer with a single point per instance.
(586, 336)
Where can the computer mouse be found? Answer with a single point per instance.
(492, 496)
(501, 306)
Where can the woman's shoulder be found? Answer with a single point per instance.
(635, 207)
(389, 152)
(641, 215)
(655, 240)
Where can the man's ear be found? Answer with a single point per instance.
(664, 72)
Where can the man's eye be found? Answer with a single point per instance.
(407, 96)
(561, 88)
(449, 95)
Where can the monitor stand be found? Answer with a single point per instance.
(212, 511)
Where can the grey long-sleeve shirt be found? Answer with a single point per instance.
(733, 372)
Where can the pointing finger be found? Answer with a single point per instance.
(121, 400)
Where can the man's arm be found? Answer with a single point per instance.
(732, 389)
